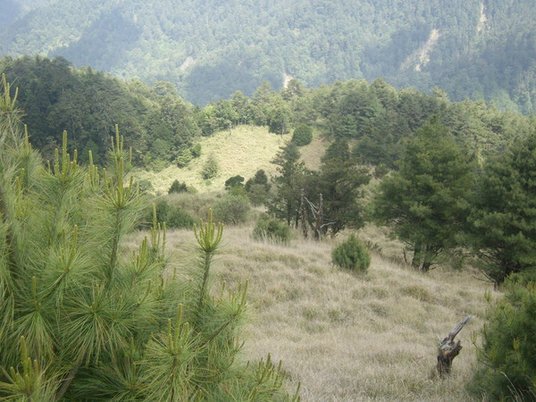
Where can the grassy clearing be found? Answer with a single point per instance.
(242, 150)
(312, 154)
(347, 337)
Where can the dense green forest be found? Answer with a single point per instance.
(478, 49)
(374, 119)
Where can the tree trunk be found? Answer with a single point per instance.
(416, 260)
(448, 349)
(303, 214)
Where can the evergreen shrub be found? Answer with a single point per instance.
(303, 135)
(174, 216)
(507, 364)
(258, 188)
(351, 254)
(234, 181)
(178, 187)
(196, 151)
(210, 168)
(271, 228)
(184, 158)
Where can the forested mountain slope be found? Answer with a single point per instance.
(473, 48)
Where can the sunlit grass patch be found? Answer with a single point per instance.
(342, 336)
(240, 151)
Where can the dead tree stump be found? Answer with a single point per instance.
(448, 349)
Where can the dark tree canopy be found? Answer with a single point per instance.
(426, 201)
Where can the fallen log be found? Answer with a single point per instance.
(448, 349)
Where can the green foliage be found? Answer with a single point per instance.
(258, 188)
(507, 370)
(171, 214)
(232, 209)
(160, 126)
(272, 229)
(503, 234)
(351, 254)
(183, 158)
(80, 318)
(234, 181)
(427, 201)
(303, 135)
(210, 168)
(340, 181)
(178, 187)
(258, 194)
(196, 150)
(288, 184)
(278, 116)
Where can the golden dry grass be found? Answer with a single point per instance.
(312, 154)
(343, 336)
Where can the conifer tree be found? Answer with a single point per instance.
(426, 201)
(288, 184)
(504, 212)
(80, 318)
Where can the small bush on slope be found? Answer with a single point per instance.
(271, 228)
(352, 255)
(303, 135)
(232, 209)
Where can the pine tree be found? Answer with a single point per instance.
(288, 184)
(340, 181)
(504, 213)
(80, 319)
(426, 201)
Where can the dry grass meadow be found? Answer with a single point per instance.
(343, 336)
(243, 151)
(240, 151)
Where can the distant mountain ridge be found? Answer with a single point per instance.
(483, 49)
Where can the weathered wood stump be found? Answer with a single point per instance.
(448, 349)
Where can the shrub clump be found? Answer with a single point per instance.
(178, 187)
(258, 188)
(271, 228)
(210, 168)
(196, 151)
(351, 254)
(234, 181)
(507, 366)
(167, 212)
(232, 209)
(303, 135)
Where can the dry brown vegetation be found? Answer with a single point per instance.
(347, 337)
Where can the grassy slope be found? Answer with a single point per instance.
(241, 151)
(347, 337)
